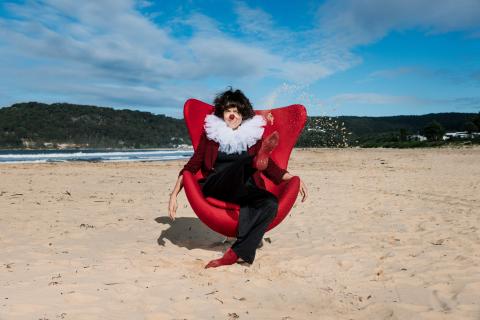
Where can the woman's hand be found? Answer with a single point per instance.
(172, 206)
(303, 187)
(303, 191)
(270, 118)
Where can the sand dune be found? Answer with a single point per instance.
(385, 234)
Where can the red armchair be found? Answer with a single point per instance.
(222, 216)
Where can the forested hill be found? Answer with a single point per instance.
(376, 131)
(39, 125)
(451, 121)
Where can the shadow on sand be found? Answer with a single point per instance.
(190, 233)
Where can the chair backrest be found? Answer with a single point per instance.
(288, 121)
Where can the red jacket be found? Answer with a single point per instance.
(206, 153)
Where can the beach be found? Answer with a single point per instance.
(384, 234)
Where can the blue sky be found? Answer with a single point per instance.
(337, 57)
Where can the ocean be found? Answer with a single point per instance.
(89, 155)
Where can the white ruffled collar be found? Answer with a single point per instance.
(234, 141)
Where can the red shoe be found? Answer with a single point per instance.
(260, 162)
(230, 257)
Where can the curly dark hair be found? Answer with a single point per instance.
(230, 99)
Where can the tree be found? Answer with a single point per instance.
(434, 131)
(403, 134)
(470, 127)
(476, 121)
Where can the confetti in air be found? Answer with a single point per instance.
(319, 131)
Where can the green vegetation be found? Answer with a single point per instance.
(39, 125)
(400, 131)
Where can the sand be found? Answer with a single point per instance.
(384, 234)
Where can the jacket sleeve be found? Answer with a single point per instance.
(274, 172)
(195, 162)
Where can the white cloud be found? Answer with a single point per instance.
(460, 75)
(107, 50)
(256, 22)
(349, 23)
(109, 43)
(371, 98)
(393, 73)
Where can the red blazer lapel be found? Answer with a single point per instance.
(211, 154)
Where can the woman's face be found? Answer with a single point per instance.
(232, 117)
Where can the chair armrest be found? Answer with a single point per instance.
(222, 204)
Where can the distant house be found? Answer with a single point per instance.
(416, 137)
(184, 146)
(27, 143)
(460, 135)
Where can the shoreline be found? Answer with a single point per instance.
(453, 146)
(97, 149)
(49, 161)
(295, 148)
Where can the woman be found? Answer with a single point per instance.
(233, 140)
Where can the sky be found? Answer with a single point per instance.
(336, 57)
